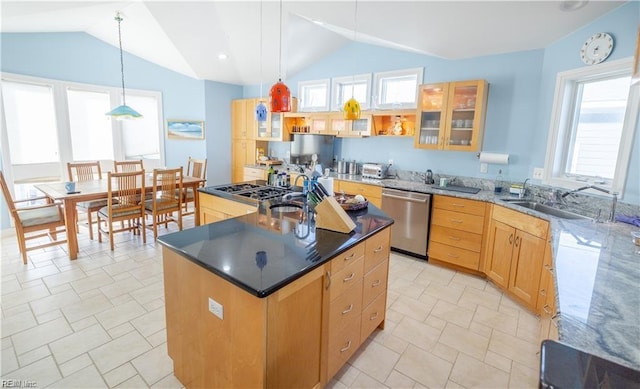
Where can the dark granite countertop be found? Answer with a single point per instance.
(261, 253)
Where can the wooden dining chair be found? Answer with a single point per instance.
(123, 204)
(35, 221)
(195, 168)
(128, 166)
(164, 203)
(86, 171)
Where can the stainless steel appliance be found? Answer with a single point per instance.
(410, 210)
(303, 147)
(373, 170)
(258, 191)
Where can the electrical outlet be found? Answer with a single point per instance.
(538, 172)
(391, 162)
(216, 308)
(484, 167)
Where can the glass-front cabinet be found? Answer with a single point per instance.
(451, 115)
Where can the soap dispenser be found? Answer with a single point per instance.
(499, 182)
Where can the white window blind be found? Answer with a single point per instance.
(358, 86)
(397, 89)
(140, 137)
(91, 130)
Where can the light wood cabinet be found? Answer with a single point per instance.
(451, 115)
(515, 250)
(372, 193)
(214, 209)
(457, 230)
(385, 123)
(244, 127)
(252, 173)
(243, 152)
(546, 305)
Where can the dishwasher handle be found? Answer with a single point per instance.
(405, 198)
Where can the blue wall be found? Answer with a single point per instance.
(520, 100)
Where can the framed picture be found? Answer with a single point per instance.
(185, 129)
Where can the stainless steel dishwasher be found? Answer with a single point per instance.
(410, 210)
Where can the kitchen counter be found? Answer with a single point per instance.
(597, 276)
(231, 248)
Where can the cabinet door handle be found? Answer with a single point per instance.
(375, 283)
(349, 277)
(543, 292)
(350, 256)
(456, 220)
(549, 268)
(517, 241)
(378, 249)
(458, 205)
(373, 316)
(328, 281)
(454, 238)
(347, 347)
(510, 238)
(546, 309)
(452, 255)
(348, 309)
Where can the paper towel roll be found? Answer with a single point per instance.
(327, 182)
(500, 159)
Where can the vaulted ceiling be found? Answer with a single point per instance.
(188, 37)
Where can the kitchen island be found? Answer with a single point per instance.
(262, 301)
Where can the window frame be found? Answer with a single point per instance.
(560, 131)
(380, 76)
(326, 82)
(336, 82)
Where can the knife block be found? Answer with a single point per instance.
(331, 216)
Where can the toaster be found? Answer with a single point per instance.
(373, 170)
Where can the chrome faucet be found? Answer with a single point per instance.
(523, 193)
(614, 201)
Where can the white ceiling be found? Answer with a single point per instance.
(188, 36)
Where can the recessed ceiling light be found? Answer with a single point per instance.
(572, 5)
(222, 56)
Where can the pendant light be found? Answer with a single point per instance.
(261, 109)
(124, 111)
(280, 94)
(351, 109)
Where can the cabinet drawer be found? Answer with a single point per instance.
(345, 308)
(372, 316)
(342, 346)
(341, 260)
(376, 249)
(251, 173)
(375, 282)
(458, 238)
(471, 207)
(343, 279)
(454, 255)
(361, 189)
(458, 220)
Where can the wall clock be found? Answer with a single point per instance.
(597, 48)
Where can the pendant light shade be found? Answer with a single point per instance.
(122, 112)
(280, 97)
(261, 112)
(280, 94)
(351, 109)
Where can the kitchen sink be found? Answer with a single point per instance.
(538, 207)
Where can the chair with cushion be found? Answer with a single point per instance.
(164, 203)
(48, 219)
(124, 191)
(195, 168)
(128, 166)
(86, 171)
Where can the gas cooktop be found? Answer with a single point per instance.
(255, 191)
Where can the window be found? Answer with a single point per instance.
(141, 139)
(91, 133)
(397, 89)
(31, 123)
(313, 95)
(343, 88)
(594, 117)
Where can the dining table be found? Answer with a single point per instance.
(96, 190)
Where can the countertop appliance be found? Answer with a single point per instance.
(373, 170)
(411, 211)
(257, 190)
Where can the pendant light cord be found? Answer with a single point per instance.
(355, 57)
(280, 54)
(119, 19)
(260, 49)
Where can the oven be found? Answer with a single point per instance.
(410, 211)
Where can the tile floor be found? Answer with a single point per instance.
(99, 322)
